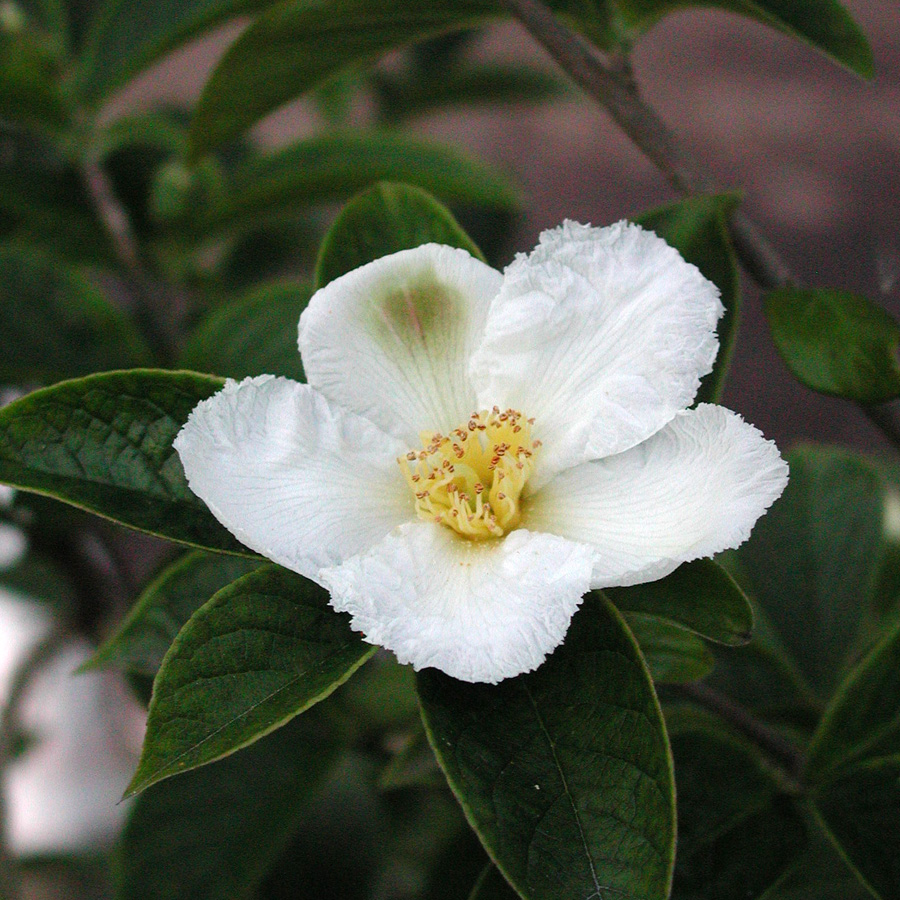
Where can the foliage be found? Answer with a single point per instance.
(146, 259)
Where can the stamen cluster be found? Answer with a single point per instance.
(471, 480)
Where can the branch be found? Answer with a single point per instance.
(612, 87)
(117, 222)
(767, 739)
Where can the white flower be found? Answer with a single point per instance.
(475, 451)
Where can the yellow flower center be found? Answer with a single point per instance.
(471, 479)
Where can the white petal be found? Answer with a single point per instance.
(392, 339)
(291, 476)
(600, 334)
(693, 489)
(477, 610)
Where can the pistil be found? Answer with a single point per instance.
(471, 480)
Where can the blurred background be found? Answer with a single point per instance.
(815, 152)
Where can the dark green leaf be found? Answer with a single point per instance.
(403, 97)
(698, 595)
(339, 847)
(30, 92)
(296, 45)
(104, 443)
(812, 559)
(43, 201)
(256, 334)
(262, 650)
(492, 886)
(163, 608)
(861, 809)
(736, 832)
(128, 35)
(672, 654)
(564, 772)
(836, 342)
(863, 720)
(823, 24)
(697, 228)
(384, 219)
(212, 834)
(55, 324)
(818, 874)
(335, 166)
(383, 695)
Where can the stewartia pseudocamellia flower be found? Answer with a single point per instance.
(475, 450)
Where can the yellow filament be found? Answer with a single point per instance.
(471, 479)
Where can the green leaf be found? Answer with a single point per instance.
(491, 885)
(861, 811)
(697, 228)
(818, 874)
(262, 650)
(43, 201)
(129, 35)
(823, 24)
(863, 719)
(385, 219)
(415, 94)
(836, 342)
(673, 655)
(255, 334)
(336, 166)
(699, 595)
(812, 560)
(213, 833)
(737, 833)
(104, 443)
(29, 81)
(55, 324)
(295, 45)
(143, 639)
(564, 772)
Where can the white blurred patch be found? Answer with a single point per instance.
(891, 522)
(63, 794)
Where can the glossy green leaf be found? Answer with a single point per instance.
(823, 24)
(698, 595)
(491, 885)
(55, 324)
(255, 334)
(812, 559)
(384, 219)
(737, 832)
(262, 650)
(163, 608)
(104, 443)
(836, 342)
(861, 812)
(129, 35)
(697, 228)
(673, 655)
(336, 166)
(296, 45)
(863, 719)
(564, 772)
(213, 833)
